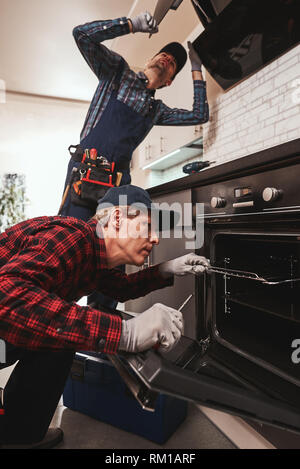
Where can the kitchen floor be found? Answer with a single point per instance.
(83, 432)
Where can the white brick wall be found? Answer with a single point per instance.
(261, 112)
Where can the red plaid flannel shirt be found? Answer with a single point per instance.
(46, 265)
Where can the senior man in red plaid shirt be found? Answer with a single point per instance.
(49, 263)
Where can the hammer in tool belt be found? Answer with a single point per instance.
(118, 179)
(74, 170)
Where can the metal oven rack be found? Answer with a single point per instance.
(250, 276)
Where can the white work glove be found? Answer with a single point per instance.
(158, 325)
(196, 62)
(188, 264)
(144, 23)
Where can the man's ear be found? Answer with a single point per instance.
(116, 218)
(168, 82)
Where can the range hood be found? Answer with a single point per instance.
(232, 50)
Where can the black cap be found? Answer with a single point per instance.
(137, 198)
(178, 52)
(127, 195)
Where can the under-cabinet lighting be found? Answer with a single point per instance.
(150, 165)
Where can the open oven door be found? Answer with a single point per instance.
(193, 371)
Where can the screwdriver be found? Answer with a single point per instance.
(156, 346)
(185, 302)
(93, 154)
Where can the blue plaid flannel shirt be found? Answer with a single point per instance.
(132, 91)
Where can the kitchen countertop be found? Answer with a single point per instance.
(273, 157)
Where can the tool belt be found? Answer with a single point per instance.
(77, 156)
(92, 178)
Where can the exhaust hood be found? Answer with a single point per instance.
(242, 36)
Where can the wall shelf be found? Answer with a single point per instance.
(180, 155)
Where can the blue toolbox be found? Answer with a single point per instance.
(95, 388)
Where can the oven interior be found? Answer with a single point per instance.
(242, 363)
(256, 298)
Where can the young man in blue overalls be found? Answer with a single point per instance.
(123, 109)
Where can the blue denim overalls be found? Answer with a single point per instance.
(117, 134)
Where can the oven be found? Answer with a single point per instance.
(246, 356)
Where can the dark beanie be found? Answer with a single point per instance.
(178, 52)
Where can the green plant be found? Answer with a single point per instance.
(12, 200)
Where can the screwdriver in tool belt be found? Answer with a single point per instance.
(93, 154)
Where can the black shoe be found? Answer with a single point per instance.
(52, 438)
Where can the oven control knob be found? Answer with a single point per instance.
(217, 202)
(270, 194)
